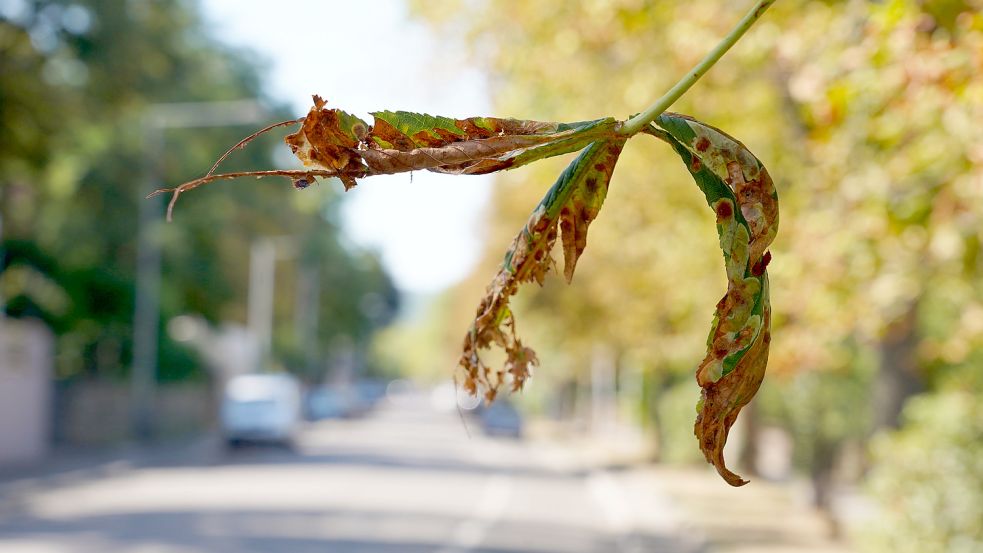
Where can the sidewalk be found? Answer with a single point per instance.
(760, 517)
(69, 465)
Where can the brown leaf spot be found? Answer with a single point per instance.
(542, 224)
(472, 131)
(446, 136)
(428, 140)
(695, 165)
(591, 185)
(758, 268)
(724, 210)
(388, 133)
(702, 144)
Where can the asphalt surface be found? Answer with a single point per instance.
(403, 479)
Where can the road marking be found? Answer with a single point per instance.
(491, 506)
(609, 496)
(617, 510)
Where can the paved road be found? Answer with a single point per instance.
(405, 479)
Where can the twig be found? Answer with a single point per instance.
(639, 121)
(191, 185)
(242, 143)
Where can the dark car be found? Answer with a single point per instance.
(501, 419)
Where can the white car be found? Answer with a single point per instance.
(261, 408)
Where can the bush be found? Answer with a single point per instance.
(929, 478)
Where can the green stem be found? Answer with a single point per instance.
(639, 121)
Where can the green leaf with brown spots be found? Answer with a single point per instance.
(571, 203)
(741, 193)
(585, 203)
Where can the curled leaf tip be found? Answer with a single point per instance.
(713, 437)
(741, 193)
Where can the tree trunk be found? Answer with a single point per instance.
(748, 457)
(653, 390)
(897, 377)
(821, 475)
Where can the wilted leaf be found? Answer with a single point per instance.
(742, 195)
(572, 202)
(400, 141)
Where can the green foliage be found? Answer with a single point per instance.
(866, 113)
(824, 409)
(79, 79)
(929, 478)
(674, 411)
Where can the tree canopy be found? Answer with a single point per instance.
(865, 114)
(79, 81)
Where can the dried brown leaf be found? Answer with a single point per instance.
(575, 198)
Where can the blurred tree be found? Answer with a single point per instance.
(866, 114)
(78, 78)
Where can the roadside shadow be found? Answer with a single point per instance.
(305, 531)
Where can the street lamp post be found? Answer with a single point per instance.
(146, 316)
(263, 256)
(2, 305)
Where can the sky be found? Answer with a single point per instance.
(370, 56)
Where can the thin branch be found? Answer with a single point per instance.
(639, 121)
(242, 143)
(191, 185)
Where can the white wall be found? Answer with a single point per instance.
(25, 390)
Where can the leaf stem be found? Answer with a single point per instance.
(639, 121)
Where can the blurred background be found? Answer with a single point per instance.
(271, 371)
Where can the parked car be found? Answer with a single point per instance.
(261, 408)
(370, 391)
(501, 419)
(330, 403)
